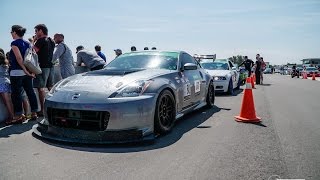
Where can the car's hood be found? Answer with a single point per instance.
(107, 81)
(218, 72)
(312, 70)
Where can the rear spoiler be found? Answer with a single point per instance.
(199, 57)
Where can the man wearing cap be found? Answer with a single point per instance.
(248, 64)
(90, 59)
(118, 52)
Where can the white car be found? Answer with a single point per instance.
(225, 74)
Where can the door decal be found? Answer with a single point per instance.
(186, 91)
(197, 86)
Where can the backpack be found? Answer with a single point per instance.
(31, 61)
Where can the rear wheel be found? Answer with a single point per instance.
(210, 95)
(165, 113)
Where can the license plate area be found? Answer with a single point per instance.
(74, 114)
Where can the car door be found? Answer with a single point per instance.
(192, 82)
(203, 83)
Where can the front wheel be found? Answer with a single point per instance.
(210, 95)
(165, 112)
(230, 87)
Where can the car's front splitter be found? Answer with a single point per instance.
(90, 137)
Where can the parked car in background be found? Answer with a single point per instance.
(267, 71)
(135, 97)
(299, 69)
(311, 70)
(225, 74)
(277, 71)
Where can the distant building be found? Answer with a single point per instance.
(311, 61)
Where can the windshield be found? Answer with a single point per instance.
(150, 60)
(310, 68)
(215, 65)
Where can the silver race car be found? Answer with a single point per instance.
(135, 97)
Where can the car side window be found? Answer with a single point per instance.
(186, 58)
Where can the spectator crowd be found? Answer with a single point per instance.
(17, 83)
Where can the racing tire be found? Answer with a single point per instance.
(230, 88)
(210, 96)
(165, 112)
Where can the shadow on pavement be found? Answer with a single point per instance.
(182, 126)
(257, 124)
(263, 84)
(6, 131)
(224, 94)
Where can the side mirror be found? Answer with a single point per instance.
(234, 68)
(190, 66)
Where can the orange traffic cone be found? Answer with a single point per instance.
(252, 82)
(313, 76)
(248, 112)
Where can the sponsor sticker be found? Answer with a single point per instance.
(197, 86)
(186, 90)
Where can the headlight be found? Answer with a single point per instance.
(219, 78)
(134, 89)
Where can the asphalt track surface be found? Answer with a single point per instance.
(207, 144)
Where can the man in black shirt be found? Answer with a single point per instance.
(44, 47)
(258, 69)
(248, 64)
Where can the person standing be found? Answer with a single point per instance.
(98, 51)
(5, 89)
(248, 64)
(90, 59)
(118, 52)
(64, 54)
(133, 48)
(20, 77)
(44, 46)
(263, 67)
(258, 69)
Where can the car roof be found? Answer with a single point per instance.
(214, 60)
(221, 60)
(152, 52)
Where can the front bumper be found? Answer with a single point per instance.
(316, 75)
(118, 120)
(221, 86)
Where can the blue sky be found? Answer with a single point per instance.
(280, 30)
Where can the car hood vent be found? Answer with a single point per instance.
(111, 72)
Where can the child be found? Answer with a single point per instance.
(5, 89)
